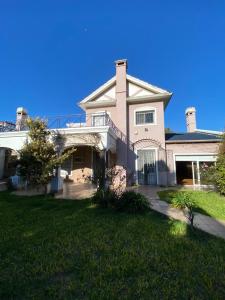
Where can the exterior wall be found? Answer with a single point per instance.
(186, 148)
(148, 136)
(112, 112)
(13, 140)
(137, 133)
(147, 131)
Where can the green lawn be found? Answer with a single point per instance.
(55, 249)
(208, 203)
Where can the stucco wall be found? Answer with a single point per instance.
(137, 133)
(147, 131)
(112, 111)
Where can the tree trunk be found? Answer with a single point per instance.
(46, 189)
(191, 218)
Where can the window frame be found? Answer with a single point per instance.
(97, 114)
(145, 109)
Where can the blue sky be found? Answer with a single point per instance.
(54, 53)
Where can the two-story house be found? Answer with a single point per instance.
(148, 155)
(125, 119)
(137, 109)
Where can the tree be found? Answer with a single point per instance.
(168, 130)
(216, 174)
(41, 155)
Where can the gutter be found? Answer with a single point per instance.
(192, 141)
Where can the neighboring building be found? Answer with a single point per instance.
(125, 118)
(7, 126)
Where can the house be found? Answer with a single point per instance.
(150, 156)
(124, 125)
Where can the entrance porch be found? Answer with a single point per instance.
(83, 165)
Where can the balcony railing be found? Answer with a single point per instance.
(70, 121)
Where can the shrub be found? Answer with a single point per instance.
(132, 202)
(220, 174)
(104, 198)
(185, 201)
(216, 174)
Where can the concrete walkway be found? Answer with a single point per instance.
(76, 191)
(203, 222)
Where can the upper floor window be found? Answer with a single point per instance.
(145, 117)
(99, 119)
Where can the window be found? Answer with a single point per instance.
(145, 117)
(98, 119)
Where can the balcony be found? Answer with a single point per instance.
(67, 121)
(84, 120)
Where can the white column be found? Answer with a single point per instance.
(193, 172)
(198, 173)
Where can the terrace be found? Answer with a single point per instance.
(71, 121)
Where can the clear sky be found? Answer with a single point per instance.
(54, 53)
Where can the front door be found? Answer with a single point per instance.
(146, 163)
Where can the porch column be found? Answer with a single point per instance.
(198, 173)
(102, 164)
(193, 172)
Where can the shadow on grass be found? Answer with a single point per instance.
(73, 249)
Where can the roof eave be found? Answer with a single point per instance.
(146, 85)
(152, 98)
(96, 104)
(192, 141)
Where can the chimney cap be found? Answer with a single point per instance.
(119, 62)
(21, 110)
(190, 110)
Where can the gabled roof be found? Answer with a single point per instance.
(99, 90)
(192, 137)
(141, 92)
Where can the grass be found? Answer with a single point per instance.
(208, 203)
(55, 249)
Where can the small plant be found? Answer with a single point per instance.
(104, 199)
(132, 202)
(185, 201)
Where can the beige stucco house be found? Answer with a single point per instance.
(124, 122)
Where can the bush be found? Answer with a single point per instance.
(127, 201)
(132, 202)
(220, 174)
(185, 201)
(216, 174)
(104, 199)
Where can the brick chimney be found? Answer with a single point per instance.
(21, 117)
(190, 114)
(121, 92)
